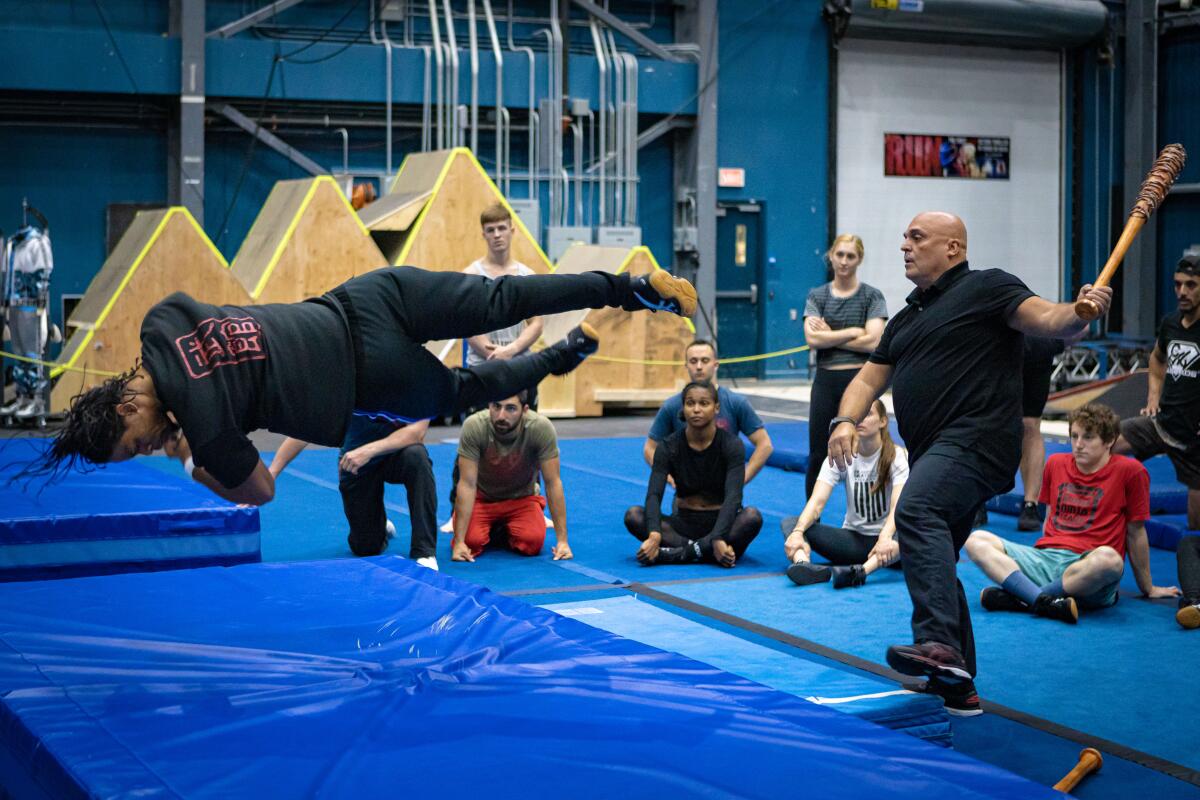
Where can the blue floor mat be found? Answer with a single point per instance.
(1034, 665)
(1045, 758)
(335, 679)
(855, 693)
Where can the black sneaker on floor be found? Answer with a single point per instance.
(580, 342)
(993, 598)
(927, 658)
(1059, 608)
(807, 573)
(847, 577)
(960, 699)
(1030, 519)
(662, 291)
(1189, 616)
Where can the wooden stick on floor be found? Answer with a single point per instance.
(1090, 760)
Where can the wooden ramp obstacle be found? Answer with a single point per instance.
(627, 338)
(306, 240)
(430, 216)
(162, 252)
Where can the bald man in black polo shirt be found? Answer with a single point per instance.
(953, 357)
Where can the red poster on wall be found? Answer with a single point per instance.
(936, 155)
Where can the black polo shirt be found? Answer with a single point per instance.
(956, 364)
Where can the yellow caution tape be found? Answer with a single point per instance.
(734, 360)
(59, 367)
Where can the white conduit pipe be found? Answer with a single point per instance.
(602, 104)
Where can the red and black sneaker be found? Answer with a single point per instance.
(927, 658)
(960, 699)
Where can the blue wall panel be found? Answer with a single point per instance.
(71, 176)
(1179, 216)
(773, 84)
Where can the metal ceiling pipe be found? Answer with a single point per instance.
(452, 44)
(602, 106)
(1046, 24)
(619, 129)
(533, 115)
(502, 142)
(631, 152)
(473, 40)
(441, 74)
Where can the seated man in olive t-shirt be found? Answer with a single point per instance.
(500, 452)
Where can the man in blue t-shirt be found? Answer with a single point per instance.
(735, 416)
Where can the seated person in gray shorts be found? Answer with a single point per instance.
(1096, 507)
(1170, 422)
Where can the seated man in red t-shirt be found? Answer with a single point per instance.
(1097, 504)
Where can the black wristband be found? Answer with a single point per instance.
(833, 423)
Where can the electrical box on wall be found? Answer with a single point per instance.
(393, 10)
(687, 239)
(627, 236)
(559, 238)
(530, 214)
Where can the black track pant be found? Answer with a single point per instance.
(686, 526)
(362, 499)
(946, 487)
(827, 389)
(393, 312)
(1188, 556)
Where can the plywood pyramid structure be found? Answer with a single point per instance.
(430, 215)
(162, 252)
(429, 218)
(629, 340)
(306, 240)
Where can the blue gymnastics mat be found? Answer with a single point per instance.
(121, 518)
(855, 693)
(376, 677)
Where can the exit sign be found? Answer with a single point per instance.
(731, 177)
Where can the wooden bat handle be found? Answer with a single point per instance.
(1090, 760)
(1153, 191)
(1086, 309)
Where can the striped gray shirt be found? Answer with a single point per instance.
(844, 312)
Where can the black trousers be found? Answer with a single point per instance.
(686, 526)
(946, 486)
(827, 389)
(841, 547)
(393, 311)
(1188, 559)
(362, 499)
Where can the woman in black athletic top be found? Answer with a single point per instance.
(707, 465)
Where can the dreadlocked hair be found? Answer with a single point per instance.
(89, 433)
(887, 449)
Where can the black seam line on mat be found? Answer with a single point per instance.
(627, 584)
(1178, 771)
(713, 579)
(563, 589)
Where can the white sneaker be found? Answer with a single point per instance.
(448, 527)
(11, 408)
(391, 530)
(33, 407)
(429, 562)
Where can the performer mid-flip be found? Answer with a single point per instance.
(211, 374)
